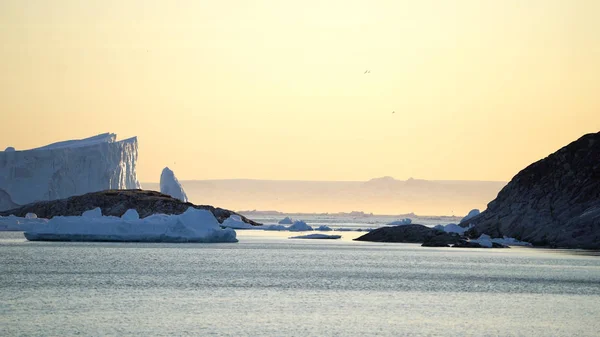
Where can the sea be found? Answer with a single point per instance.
(270, 285)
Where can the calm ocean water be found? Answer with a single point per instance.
(269, 285)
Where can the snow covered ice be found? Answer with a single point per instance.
(193, 225)
(67, 168)
(169, 185)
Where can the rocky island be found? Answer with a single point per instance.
(116, 203)
(554, 202)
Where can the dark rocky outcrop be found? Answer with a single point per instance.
(410, 234)
(554, 202)
(116, 202)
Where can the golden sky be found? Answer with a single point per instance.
(277, 90)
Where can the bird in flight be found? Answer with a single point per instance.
(367, 71)
(393, 112)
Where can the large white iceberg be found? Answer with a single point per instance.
(169, 185)
(194, 225)
(67, 168)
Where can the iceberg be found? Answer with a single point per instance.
(317, 236)
(13, 223)
(272, 227)
(324, 228)
(299, 226)
(67, 168)
(402, 222)
(286, 221)
(473, 213)
(486, 241)
(169, 185)
(130, 214)
(235, 222)
(452, 228)
(194, 225)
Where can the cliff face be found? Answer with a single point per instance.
(116, 203)
(67, 168)
(553, 202)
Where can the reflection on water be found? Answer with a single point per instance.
(269, 285)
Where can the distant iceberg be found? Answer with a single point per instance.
(473, 213)
(235, 222)
(299, 226)
(317, 236)
(324, 228)
(286, 221)
(402, 222)
(169, 185)
(194, 225)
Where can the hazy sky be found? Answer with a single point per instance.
(277, 90)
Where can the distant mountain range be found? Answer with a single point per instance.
(384, 195)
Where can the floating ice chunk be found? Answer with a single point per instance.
(324, 228)
(131, 214)
(169, 185)
(344, 229)
(511, 242)
(193, 225)
(272, 227)
(286, 221)
(402, 222)
(14, 223)
(473, 213)
(439, 228)
(30, 216)
(299, 226)
(9, 149)
(93, 213)
(484, 240)
(235, 221)
(317, 236)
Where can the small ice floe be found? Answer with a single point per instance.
(235, 222)
(317, 236)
